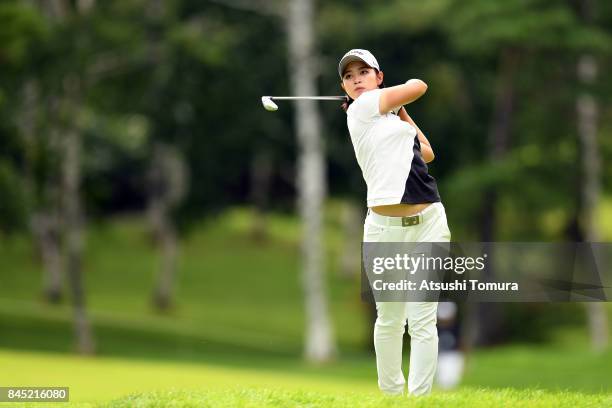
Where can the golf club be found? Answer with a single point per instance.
(269, 105)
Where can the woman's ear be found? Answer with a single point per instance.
(379, 77)
(342, 85)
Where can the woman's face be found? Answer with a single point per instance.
(359, 78)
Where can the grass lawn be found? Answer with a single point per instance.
(115, 382)
(234, 336)
(282, 398)
(104, 378)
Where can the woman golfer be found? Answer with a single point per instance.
(403, 206)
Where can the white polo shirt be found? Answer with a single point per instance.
(389, 155)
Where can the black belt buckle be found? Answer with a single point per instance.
(410, 220)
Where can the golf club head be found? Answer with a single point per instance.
(268, 104)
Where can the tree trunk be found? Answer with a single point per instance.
(69, 188)
(168, 179)
(46, 232)
(26, 122)
(168, 246)
(44, 223)
(589, 188)
(85, 6)
(72, 213)
(55, 9)
(319, 342)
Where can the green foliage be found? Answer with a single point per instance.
(192, 74)
(405, 17)
(205, 40)
(22, 29)
(481, 27)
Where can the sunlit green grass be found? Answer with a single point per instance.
(237, 322)
(129, 383)
(286, 398)
(103, 378)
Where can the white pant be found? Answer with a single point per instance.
(391, 321)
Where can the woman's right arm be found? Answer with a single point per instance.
(399, 95)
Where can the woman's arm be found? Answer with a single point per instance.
(399, 95)
(426, 150)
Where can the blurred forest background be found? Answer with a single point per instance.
(150, 207)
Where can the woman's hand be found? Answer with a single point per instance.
(426, 150)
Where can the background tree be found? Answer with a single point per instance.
(311, 179)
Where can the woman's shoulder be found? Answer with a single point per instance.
(367, 96)
(366, 106)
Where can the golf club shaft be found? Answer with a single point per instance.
(319, 98)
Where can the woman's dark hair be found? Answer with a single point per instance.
(345, 105)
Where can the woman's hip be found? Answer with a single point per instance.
(428, 225)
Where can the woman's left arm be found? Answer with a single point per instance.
(426, 150)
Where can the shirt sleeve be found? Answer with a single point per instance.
(366, 106)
